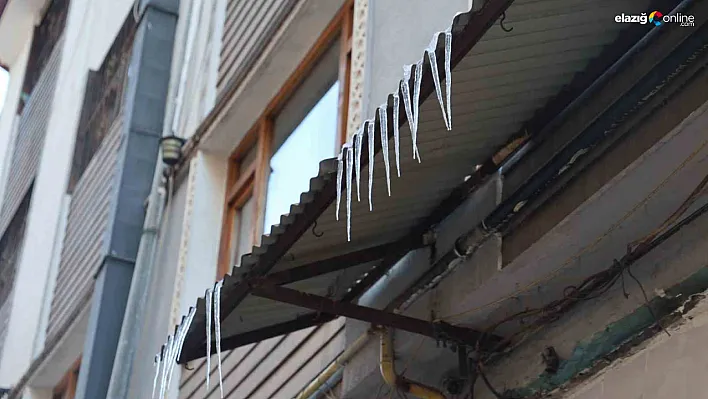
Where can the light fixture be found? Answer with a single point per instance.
(171, 149)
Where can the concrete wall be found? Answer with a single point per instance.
(665, 367)
(91, 27)
(398, 33)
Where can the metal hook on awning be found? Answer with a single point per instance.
(316, 234)
(501, 23)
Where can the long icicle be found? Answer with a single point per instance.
(448, 76)
(165, 364)
(217, 331)
(383, 119)
(436, 76)
(158, 362)
(371, 129)
(185, 330)
(358, 141)
(340, 166)
(208, 304)
(406, 92)
(397, 132)
(166, 367)
(181, 336)
(172, 362)
(173, 355)
(350, 164)
(416, 103)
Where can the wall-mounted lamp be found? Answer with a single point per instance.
(171, 149)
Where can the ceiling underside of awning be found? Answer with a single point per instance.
(497, 87)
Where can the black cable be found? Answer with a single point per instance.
(378, 391)
(598, 284)
(487, 383)
(646, 301)
(473, 382)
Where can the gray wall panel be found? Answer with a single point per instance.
(30, 138)
(86, 229)
(249, 26)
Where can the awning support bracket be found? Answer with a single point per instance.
(437, 330)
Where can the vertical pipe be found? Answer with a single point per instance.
(137, 299)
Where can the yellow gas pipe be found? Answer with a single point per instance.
(388, 372)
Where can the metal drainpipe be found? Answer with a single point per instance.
(137, 298)
(395, 381)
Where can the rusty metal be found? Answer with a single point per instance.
(435, 330)
(329, 265)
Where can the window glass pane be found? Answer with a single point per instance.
(241, 235)
(298, 159)
(309, 93)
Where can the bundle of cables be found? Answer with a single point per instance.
(590, 288)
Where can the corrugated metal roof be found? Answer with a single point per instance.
(496, 87)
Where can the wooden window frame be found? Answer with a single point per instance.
(67, 386)
(253, 181)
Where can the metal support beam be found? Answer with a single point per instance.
(334, 264)
(436, 330)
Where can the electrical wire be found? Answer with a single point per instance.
(415, 354)
(494, 392)
(572, 259)
(597, 284)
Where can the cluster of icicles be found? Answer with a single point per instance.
(166, 360)
(351, 152)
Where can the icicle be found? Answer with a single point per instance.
(208, 304)
(165, 365)
(158, 361)
(406, 92)
(396, 132)
(181, 336)
(371, 129)
(340, 165)
(217, 330)
(448, 76)
(436, 76)
(383, 118)
(416, 103)
(173, 355)
(358, 141)
(185, 330)
(350, 161)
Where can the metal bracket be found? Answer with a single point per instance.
(436, 330)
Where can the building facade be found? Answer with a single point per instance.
(488, 199)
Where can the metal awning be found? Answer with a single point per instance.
(500, 81)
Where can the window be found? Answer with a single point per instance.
(297, 159)
(304, 124)
(67, 387)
